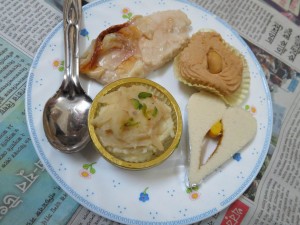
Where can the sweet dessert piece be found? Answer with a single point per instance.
(209, 63)
(133, 123)
(205, 110)
(135, 48)
(216, 130)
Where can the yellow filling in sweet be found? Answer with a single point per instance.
(216, 130)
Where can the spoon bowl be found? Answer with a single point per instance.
(65, 121)
(65, 114)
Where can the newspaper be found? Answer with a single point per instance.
(28, 195)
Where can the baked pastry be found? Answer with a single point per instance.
(135, 48)
(209, 63)
(239, 128)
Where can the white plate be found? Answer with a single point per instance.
(115, 193)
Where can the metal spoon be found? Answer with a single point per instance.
(65, 114)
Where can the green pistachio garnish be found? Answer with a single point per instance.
(131, 123)
(148, 113)
(136, 104)
(145, 112)
(143, 95)
(154, 112)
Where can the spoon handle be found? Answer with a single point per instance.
(72, 18)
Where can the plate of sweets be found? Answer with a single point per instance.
(181, 117)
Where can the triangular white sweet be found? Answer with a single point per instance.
(204, 110)
(239, 128)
